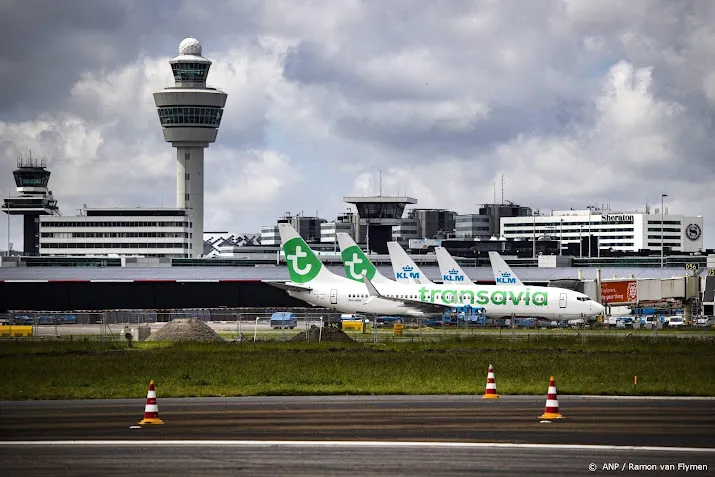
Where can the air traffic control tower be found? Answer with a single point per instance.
(33, 199)
(376, 217)
(190, 115)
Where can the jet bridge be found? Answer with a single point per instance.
(620, 291)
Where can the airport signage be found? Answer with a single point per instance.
(617, 219)
(625, 291)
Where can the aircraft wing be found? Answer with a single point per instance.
(289, 286)
(436, 308)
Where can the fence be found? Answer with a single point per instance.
(254, 324)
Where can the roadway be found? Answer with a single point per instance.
(355, 435)
(249, 326)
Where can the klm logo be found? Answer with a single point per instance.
(453, 276)
(506, 278)
(407, 272)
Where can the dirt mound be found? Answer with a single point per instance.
(329, 334)
(185, 329)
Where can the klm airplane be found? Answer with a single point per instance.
(405, 269)
(451, 271)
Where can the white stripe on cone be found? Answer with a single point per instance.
(552, 403)
(151, 408)
(151, 394)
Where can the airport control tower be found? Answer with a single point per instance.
(376, 217)
(190, 115)
(32, 201)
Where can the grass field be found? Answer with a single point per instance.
(604, 365)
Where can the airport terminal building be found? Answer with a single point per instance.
(617, 231)
(148, 232)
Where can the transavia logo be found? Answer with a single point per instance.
(453, 275)
(357, 264)
(506, 278)
(407, 272)
(303, 265)
(484, 297)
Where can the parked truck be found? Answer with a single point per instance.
(283, 319)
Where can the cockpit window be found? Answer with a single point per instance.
(582, 298)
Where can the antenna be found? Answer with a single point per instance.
(502, 189)
(380, 183)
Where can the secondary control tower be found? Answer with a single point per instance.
(33, 199)
(376, 217)
(190, 115)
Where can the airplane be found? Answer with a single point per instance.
(503, 275)
(451, 271)
(356, 263)
(405, 269)
(311, 282)
(449, 268)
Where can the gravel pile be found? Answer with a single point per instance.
(329, 334)
(185, 329)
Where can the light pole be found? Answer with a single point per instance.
(533, 242)
(561, 237)
(9, 244)
(589, 231)
(662, 245)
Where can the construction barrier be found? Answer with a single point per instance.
(15, 331)
(353, 325)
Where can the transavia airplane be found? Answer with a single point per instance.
(311, 282)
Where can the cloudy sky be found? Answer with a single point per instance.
(575, 102)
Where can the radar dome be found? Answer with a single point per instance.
(190, 46)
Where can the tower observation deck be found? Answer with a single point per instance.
(376, 217)
(33, 199)
(190, 115)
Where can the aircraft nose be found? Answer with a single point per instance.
(599, 309)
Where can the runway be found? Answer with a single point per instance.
(356, 435)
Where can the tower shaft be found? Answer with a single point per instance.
(190, 190)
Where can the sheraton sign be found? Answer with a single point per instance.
(617, 219)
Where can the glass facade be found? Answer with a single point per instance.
(196, 72)
(380, 210)
(195, 116)
(31, 178)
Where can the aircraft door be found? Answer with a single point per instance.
(334, 296)
(562, 300)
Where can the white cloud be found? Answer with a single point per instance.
(573, 101)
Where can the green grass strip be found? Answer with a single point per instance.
(595, 365)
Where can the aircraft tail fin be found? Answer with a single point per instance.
(449, 268)
(503, 275)
(404, 268)
(356, 262)
(303, 265)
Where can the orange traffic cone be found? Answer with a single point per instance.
(491, 391)
(552, 403)
(151, 410)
